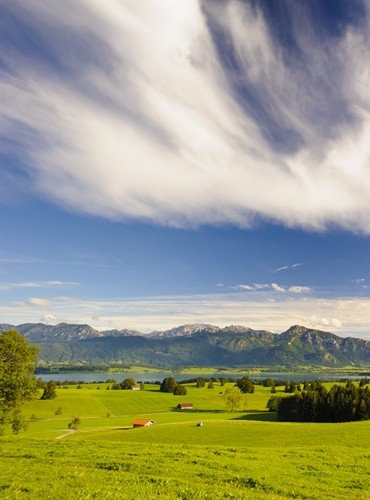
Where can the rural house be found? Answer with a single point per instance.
(185, 406)
(142, 422)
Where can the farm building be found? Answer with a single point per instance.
(142, 422)
(185, 406)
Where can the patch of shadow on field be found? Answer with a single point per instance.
(196, 411)
(261, 415)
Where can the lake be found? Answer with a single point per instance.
(159, 376)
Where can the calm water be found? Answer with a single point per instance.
(159, 376)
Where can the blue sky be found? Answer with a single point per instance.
(168, 162)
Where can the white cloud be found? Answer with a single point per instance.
(277, 288)
(138, 97)
(36, 284)
(61, 283)
(245, 287)
(299, 289)
(38, 302)
(274, 286)
(261, 286)
(49, 319)
(325, 322)
(282, 268)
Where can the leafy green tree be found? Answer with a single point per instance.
(168, 384)
(245, 385)
(210, 385)
(74, 424)
(17, 382)
(50, 390)
(127, 384)
(200, 382)
(180, 390)
(273, 403)
(233, 398)
(268, 382)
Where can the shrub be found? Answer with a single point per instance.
(74, 423)
(180, 390)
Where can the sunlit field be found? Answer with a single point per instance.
(243, 454)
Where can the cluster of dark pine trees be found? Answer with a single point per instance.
(317, 404)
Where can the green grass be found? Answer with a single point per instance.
(240, 455)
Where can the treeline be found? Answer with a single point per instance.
(318, 404)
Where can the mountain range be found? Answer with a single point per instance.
(193, 345)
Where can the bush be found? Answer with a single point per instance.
(50, 391)
(74, 423)
(273, 403)
(168, 384)
(180, 390)
(245, 385)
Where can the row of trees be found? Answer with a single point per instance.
(317, 404)
(243, 386)
(169, 384)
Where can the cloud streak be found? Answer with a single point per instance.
(259, 287)
(37, 284)
(186, 113)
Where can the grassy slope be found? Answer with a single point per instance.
(234, 455)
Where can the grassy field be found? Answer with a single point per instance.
(240, 455)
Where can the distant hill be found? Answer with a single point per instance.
(194, 345)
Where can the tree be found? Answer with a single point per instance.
(268, 382)
(180, 390)
(168, 384)
(74, 423)
(233, 398)
(245, 385)
(200, 382)
(273, 403)
(127, 384)
(17, 382)
(50, 391)
(210, 385)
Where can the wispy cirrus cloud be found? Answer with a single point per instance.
(36, 284)
(282, 268)
(361, 282)
(286, 267)
(183, 113)
(274, 287)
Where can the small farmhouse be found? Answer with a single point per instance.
(185, 406)
(142, 422)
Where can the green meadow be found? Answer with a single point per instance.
(240, 455)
